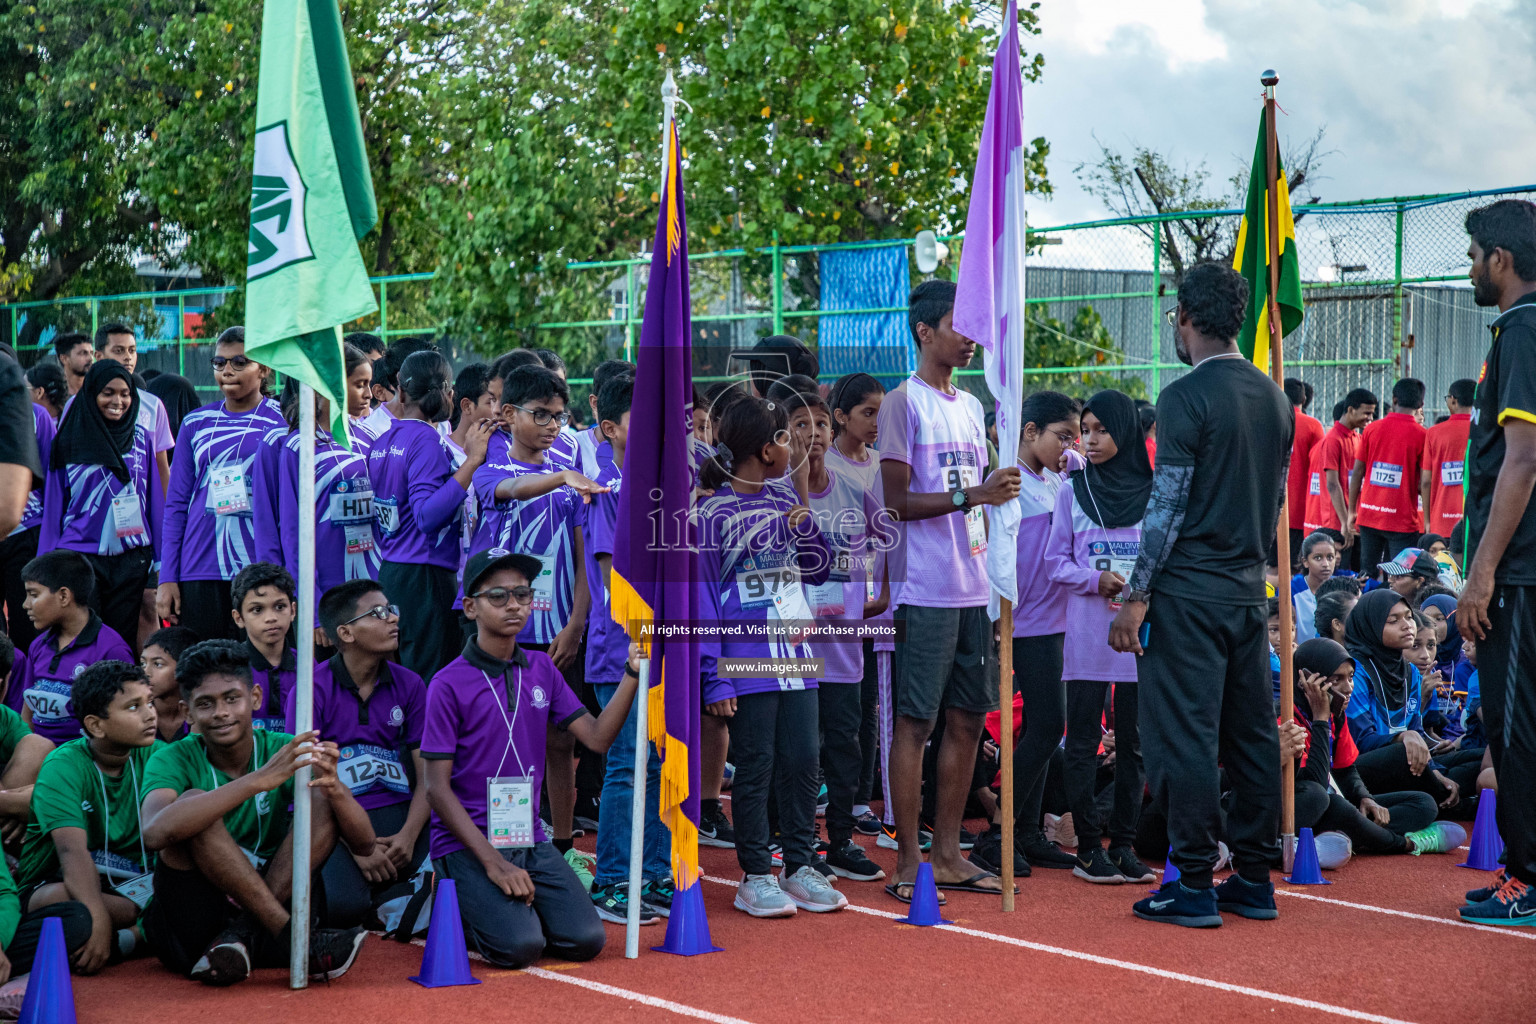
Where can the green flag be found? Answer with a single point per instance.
(311, 200)
(1252, 258)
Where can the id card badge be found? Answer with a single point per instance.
(139, 890)
(228, 493)
(1122, 567)
(259, 863)
(544, 585)
(790, 605)
(359, 537)
(509, 812)
(827, 600)
(127, 516)
(976, 531)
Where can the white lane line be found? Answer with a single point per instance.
(681, 1009)
(1127, 965)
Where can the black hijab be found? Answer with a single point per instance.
(1387, 666)
(1115, 494)
(86, 436)
(178, 396)
(1322, 656)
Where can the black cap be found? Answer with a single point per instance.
(482, 563)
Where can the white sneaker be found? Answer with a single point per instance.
(760, 896)
(1060, 831)
(1333, 850)
(811, 891)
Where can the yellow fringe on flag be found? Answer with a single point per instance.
(674, 228)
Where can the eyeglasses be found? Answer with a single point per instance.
(499, 596)
(542, 417)
(238, 363)
(382, 612)
(1067, 440)
(1172, 316)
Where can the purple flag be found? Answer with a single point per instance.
(654, 558)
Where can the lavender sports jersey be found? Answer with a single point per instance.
(46, 428)
(607, 642)
(208, 532)
(346, 529)
(544, 527)
(1077, 551)
(492, 718)
(471, 519)
(87, 509)
(845, 511)
(42, 680)
(1042, 605)
(419, 504)
(759, 567)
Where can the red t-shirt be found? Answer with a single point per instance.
(1345, 752)
(1445, 447)
(1152, 451)
(1392, 452)
(1336, 451)
(1309, 433)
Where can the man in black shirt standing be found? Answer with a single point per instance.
(1224, 433)
(1498, 603)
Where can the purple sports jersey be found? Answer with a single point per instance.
(418, 502)
(845, 513)
(544, 527)
(760, 568)
(881, 539)
(471, 519)
(607, 642)
(86, 508)
(277, 683)
(346, 529)
(1042, 605)
(566, 451)
(1077, 551)
(46, 428)
(42, 680)
(376, 738)
(492, 718)
(939, 562)
(208, 531)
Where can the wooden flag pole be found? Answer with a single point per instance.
(1283, 528)
(1005, 744)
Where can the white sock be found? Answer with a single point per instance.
(859, 810)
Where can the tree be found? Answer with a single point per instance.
(1084, 342)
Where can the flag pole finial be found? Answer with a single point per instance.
(1269, 79)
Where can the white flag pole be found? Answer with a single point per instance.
(304, 702)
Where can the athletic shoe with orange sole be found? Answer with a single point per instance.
(1513, 905)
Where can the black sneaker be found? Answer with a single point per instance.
(1237, 895)
(987, 854)
(820, 864)
(1486, 892)
(867, 824)
(716, 830)
(332, 952)
(228, 957)
(1513, 904)
(1041, 852)
(1176, 903)
(1096, 867)
(967, 839)
(1129, 865)
(850, 861)
(612, 903)
(658, 894)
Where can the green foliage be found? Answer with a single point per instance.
(1084, 342)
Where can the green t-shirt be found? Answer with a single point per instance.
(12, 729)
(73, 792)
(260, 824)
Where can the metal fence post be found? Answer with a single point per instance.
(181, 329)
(1157, 313)
(629, 313)
(1397, 291)
(384, 311)
(778, 286)
(95, 316)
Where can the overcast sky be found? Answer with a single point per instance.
(1417, 95)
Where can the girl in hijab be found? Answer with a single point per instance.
(103, 497)
(1351, 818)
(1094, 539)
(1384, 710)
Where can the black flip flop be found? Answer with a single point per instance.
(969, 885)
(894, 891)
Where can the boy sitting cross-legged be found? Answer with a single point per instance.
(216, 810)
(488, 712)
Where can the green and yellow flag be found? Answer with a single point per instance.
(311, 200)
(1252, 260)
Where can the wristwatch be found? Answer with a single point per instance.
(1140, 596)
(961, 499)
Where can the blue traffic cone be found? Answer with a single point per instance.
(688, 926)
(50, 999)
(924, 911)
(1305, 869)
(1170, 872)
(1487, 845)
(446, 960)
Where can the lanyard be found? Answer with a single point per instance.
(106, 812)
(511, 723)
(261, 818)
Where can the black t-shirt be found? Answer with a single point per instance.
(1229, 421)
(18, 430)
(1506, 388)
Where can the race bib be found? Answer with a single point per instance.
(509, 812)
(388, 511)
(49, 701)
(1385, 474)
(1450, 473)
(756, 585)
(1316, 484)
(228, 493)
(115, 866)
(127, 516)
(352, 503)
(363, 766)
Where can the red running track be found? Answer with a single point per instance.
(1071, 951)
